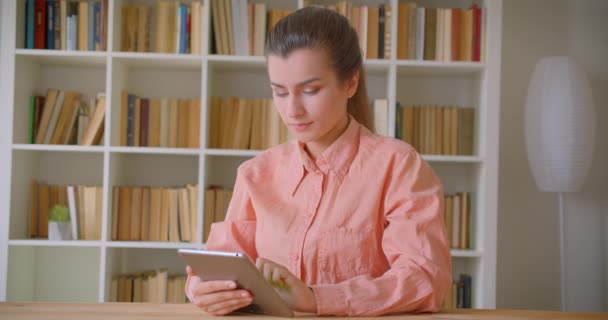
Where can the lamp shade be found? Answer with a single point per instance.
(559, 125)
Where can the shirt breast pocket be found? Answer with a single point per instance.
(345, 253)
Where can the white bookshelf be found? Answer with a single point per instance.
(39, 270)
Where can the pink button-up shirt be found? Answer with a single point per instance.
(363, 226)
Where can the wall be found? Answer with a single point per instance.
(528, 275)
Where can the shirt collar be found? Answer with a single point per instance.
(336, 158)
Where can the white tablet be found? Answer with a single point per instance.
(238, 267)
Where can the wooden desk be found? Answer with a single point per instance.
(146, 311)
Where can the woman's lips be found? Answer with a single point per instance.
(301, 126)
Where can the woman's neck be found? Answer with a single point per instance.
(317, 147)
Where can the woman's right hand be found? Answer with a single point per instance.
(215, 297)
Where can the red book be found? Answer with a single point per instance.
(40, 25)
(456, 34)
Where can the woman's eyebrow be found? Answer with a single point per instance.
(305, 82)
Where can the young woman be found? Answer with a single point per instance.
(350, 220)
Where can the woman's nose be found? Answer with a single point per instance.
(295, 108)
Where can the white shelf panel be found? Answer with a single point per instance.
(377, 65)
(54, 243)
(237, 62)
(148, 150)
(457, 253)
(454, 159)
(418, 67)
(152, 245)
(58, 148)
(64, 57)
(232, 152)
(159, 60)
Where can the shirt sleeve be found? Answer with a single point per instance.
(237, 232)
(415, 244)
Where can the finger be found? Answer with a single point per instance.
(229, 306)
(277, 275)
(259, 263)
(206, 301)
(190, 272)
(267, 270)
(207, 287)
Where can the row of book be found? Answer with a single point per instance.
(440, 34)
(155, 214)
(373, 26)
(164, 122)
(460, 294)
(150, 286)
(179, 27)
(237, 123)
(457, 217)
(217, 200)
(240, 28)
(437, 129)
(66, 25)
(84, 204)
(66, 117)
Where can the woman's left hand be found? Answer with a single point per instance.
(291, 289)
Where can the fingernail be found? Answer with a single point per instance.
(245, 295)
(231, 285)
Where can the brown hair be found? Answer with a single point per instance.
(315, 27)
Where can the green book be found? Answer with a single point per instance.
(32, 119)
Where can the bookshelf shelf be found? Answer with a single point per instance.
(51, 243)
(82, 58)
(411, 67)
(452, 159)
(155, 60)
(58, 148)
(152, 245)
(232, 153)
(160, 151)
(466, 253)
(27, 72)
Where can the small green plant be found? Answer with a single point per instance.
(59, 214)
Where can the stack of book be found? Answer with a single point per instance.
(164, 122)
(216, 206)
(460, 294)
(240, 28)
(155, 214)
(66, 25)
(457, 217)
(179, 27)
(437, 130)
(441, 34)
(237, 123)
(148, 286)
(84, 204)
(65, 117)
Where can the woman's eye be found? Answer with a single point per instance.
(311, 91)
(280, 94)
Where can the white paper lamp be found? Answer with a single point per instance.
(559, 124)
(560, 133)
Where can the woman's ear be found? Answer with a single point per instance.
(352, 84)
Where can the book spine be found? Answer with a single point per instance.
(130, 120)
(50, 32)
(91, 27)
(97, 29)
(40, 25)
(30, 21)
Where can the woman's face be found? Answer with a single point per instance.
(308, 95)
